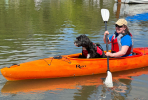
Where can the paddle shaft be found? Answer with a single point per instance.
(107, 45)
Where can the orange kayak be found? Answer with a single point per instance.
(71, 65)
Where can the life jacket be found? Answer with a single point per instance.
(116, 43)
(99, 50)
(85, 52)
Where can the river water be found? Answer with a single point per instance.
(36, 29)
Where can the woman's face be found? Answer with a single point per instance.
(120, 29)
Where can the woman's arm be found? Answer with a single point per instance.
(119, 53)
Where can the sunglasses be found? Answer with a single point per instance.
(118, 26)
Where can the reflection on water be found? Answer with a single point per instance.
(86, 85)
(35, 29)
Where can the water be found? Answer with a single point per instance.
(36, 29)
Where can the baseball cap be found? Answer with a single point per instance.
(121, 22)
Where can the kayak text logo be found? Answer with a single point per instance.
(80, 66)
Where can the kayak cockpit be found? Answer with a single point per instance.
(135, 53)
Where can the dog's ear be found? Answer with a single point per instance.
(86, 38)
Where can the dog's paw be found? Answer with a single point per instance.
(88, 56)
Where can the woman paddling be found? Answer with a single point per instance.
(121, 41)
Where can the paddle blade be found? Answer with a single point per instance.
(108, 81)
(105, 14)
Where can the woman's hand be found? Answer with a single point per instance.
(109, 54)
(106, 32)
(104, 38)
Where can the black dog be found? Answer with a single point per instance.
(89, 49)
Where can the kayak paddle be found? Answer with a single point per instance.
(105, 16)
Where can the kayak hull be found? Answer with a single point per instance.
(71, 65)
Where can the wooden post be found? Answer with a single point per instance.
(119, 1)
(118, 10)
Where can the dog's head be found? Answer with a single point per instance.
(82, 40)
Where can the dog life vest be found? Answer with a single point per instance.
(116, 43)
(98, 49)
